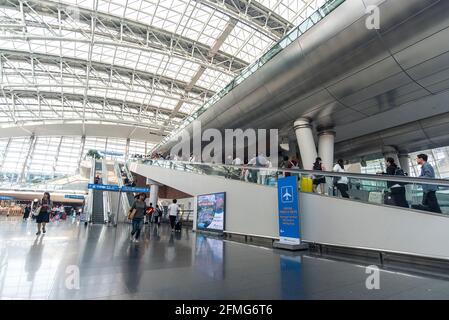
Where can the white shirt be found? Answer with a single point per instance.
(173, 209)
(236, 162)
(259, 160)
(337, 168)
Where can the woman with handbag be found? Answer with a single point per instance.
(136, 215)
(43, 213)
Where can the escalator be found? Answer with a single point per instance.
(97, 207)
(363, 221)
(129, 196)
(97, 215)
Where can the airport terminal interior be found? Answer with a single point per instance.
(224, 149)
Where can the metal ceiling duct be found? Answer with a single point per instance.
(340, 71)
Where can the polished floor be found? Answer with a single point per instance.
(180, 266)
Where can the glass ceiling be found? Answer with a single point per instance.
(146, 63)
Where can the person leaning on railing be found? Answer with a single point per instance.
(341, 183)
(397, 189)
(429, 199)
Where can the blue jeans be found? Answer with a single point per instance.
(137, 225)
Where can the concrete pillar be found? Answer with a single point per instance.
(154, 192)
(404, 163)
(26, 164)
(326, 148)
(83, 144)
(306, 143)
(127, 149)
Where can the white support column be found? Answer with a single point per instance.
(306, 143)
(26, 163)
(404, 163)
(128, 140)
(326, 141)
(83, 144)
(154, 192)
(55, 162)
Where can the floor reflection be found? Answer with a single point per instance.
(34, 258)
(186, 265)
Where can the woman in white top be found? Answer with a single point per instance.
(342, 182)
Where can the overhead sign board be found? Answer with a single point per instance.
(135, 189)
(111, 187)
(104, 187)
(74, 196)
(6, 198)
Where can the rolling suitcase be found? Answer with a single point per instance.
(306, 184)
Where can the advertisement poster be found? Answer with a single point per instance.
(211, 211)
(289, 227)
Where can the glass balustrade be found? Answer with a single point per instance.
(397, 191)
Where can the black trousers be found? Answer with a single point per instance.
(343, 188)
(398, 196)
(431, 202)
(172, 221)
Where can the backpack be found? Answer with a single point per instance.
(400, 172)
(317, 167)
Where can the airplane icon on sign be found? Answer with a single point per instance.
(287, 194)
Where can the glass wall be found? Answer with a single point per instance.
(138, 147)
(68, 156)
(438, 158)
(43, 158)
(14, 158)
(56, 156)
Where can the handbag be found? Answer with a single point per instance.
(131, 214)
(37, 211)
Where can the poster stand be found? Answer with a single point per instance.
(289, 222)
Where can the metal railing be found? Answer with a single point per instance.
(407, 192)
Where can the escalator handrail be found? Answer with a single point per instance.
(361, 176)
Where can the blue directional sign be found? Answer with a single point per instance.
(111, 153)
(135, 189)
(74, 196)
(6, 198)
(289, 226)
(111, 187)
(104, 187)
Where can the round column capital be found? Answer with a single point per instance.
(327, 132)
(302, 123)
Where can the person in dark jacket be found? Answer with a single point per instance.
(43, 217)
(319, 180)
(137, 221)
(397, 190)
(26, 212)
